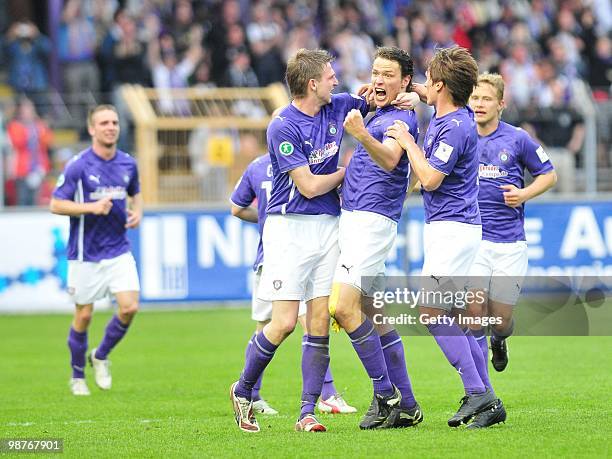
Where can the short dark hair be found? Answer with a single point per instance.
(457, 69)
(395, 54)
(99, 108)
(307, 64)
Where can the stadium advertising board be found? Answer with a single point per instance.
(187, 256)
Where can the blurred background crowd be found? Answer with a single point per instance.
(63, 56)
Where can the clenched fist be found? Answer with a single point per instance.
(353, 124)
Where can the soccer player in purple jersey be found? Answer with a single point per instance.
(505, 152)
(256, 184)
(373, 194)
(448, 172)
(300, 238)
(94, 191)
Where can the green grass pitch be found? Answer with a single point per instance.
(172, 373)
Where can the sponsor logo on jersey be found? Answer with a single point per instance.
(113, 192)
(490, 171)
(321, 154)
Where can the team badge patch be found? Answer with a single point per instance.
(542, 154)
(126, 179)
(332, 129)
(503, 155)
(60, 181)
(443, 152)
(277, 284)
(285, 148)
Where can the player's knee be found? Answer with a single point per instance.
(83, 318)
(130, 310)
(285, 326)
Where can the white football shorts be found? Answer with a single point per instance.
(500, 268)
(365, 239)
(449, 251)
(90, 281)
(261, 311)
(300, 253)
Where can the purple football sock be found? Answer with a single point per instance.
(77, 342)
(367, 344)
(481, 364)
(256, 362)
(393, 349)
(315, 361)
(456, 348)
(328, 385)
(115, 330)
(257, 387)
(481, 338)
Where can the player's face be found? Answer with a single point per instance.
(104, 129)
(430, 90)
(485, 104)
(324, 87)
(387, 81)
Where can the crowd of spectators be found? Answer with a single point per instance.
(553, 54)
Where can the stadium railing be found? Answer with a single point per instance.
(190, 143)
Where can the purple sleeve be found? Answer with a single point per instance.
(134, 186)
(409, 118)
(244, 194)
(534, 157)
(66, 185)
(287, 148)
(446, 148)
(350, 101)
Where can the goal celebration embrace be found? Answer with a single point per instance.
(329, 229)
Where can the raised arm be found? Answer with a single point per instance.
(386, 154)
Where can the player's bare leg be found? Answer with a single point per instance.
(77, 342)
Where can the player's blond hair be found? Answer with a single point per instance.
(457, 69)
(306, 65)
(496, 81)
(99, 108)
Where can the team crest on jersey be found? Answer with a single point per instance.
(332, 129)
(285, 148)
(126, 178)
(278, 284)
(504, 155)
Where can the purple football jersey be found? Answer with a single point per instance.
(504, 156)
(369, 187)
(450, 147)
(296, 139)
(256, 182)
(89, 178)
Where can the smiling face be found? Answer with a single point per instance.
(324, 86)
(387, 81)
(104, 128)
(486, 104)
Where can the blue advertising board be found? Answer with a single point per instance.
(207, 255)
